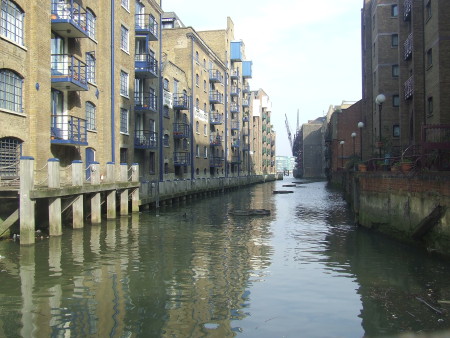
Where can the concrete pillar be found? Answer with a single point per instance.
(96, 210)
(26, 212)
(135, 193)
(110, 195)
(124, 192)
(54, 204)
(77, 206)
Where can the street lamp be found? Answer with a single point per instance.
(360, 126)
(342, 152)
(353, 135)
(379, 100)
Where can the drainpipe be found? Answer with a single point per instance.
(191, 108)
(160, 108)
(113, 112)
(226, 119)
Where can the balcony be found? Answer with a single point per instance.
(215, 97)
(145, 24)
(235, 125)
(181, 130)
(247, 69)
(246, 89)
(236, 51)
(68, 130)
(181, 159)
(436, 136)
(234, 91)
(145, 139)
(215, 140)
(215, 118)
(181, 101)
(408, 47)
(236, 144)
(409, 88)
(245, 147)
(216, 162)
(145, 102)
(215, 76)
(69, 19)
(145, 66)
(408, 9)
(68, 73)
(234, 107)
(235, 160)
(245, 103)
(234, 74)
(245, 118)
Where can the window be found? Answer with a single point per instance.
(166, 112)
(196, 79)
(205, 152)
(12, 22)
(124, 39)
(374, 50)
(430, 105)
(395, 100)
(428, 11)
(204, 85)
(10, 151)
(204, 63)
(123, 83)
(394, 11)
(166, 84)
(196, 56)
(205, 130)
(204, 107)
(429, 58)
(396, 130)
(166, 140)
(196, 126)
(125, 4)
(90, 67)
(197, 103)
(10, 90)
(394, 40)
(124, 120)
(90, 116)
(395, 70)
(123, 155)
(90, 23)
(197, 150)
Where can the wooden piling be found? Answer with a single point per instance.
(124, 192)
(111, 195)
(54, 203)
(135, 193)
(96, 212)
(27, 211)
(77, 206)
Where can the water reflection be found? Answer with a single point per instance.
(194, 270)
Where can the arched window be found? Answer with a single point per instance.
(166, 140)
(12, 22)
(197, 103)
(90, 116)
(10, 149)
(90, 27)
(196, 126)
(10, 90)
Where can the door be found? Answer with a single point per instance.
(57, 111)
(90, 158)
(140, 20)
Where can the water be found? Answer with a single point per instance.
(196, 271)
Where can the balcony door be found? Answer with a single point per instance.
(59, 121)
(58, 59)
(140, 20)
(90, 158)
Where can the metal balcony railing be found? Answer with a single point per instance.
(216, 162)
(69, 19)
(235, 159)
(408, 47)
(435, 136)
(68, 72)
(145, 139)
(145, 101)
(245, 118)
(146, 24)
(181, 130)
(215, 97)
(409, 88)
(69, 130)
(234, 107)
(215, 76)
(145, 65)
(181, 159)
(245, 103)
(234, 91)
(246, 89)
(236, 144)
(407, 5)
(181, 101)
(215, 118)
(235, 125)
(234, 74)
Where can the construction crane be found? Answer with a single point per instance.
(288, 132)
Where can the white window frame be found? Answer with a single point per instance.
(124, 84)
(124, 125)
(124, 39)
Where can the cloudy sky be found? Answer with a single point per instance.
(306, 54)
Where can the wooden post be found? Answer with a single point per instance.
(110, 195)
(96, 211)
(27, 213)
(77, 206)
(124, 192)
(135, 193)
(54, 203)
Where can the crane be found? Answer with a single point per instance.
(288, 132)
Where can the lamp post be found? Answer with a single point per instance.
(342, 153)
(353, 135)
(379, 100)
(360, 126)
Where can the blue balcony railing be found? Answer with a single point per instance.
(245, 103)
(68, 73)
(70, 20)
(216, 162)
(181, 101)
(236, 144)
(181, 159)
(234, 74)
(181, 130)
(147, 102)
(146, 24)
(215, 140)
(234, 91)
(215, 97)
(145, 139)
(245, 147)
(68, 130)
(245, 118)
(235, 159)
(234, 107)
(215, 118)
(145, 65)
(235, 125)
(246, 89)
(215, 76)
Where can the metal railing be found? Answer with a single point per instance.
(408, 47)
(215, 96)
(146, 23)
(180, 101)
(409, 88)
(68, 66)
(181, 130)
(215, 76)
(216, 162)
(181, 159)
(147, 101)
(146, 63)
(215, 139)
(215, 118)
(145, 139)
(72, 12)
(68, 129)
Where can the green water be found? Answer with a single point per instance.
(194, 270)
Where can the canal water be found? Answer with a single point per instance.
(194, 270)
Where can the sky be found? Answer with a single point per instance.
(306, 54)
